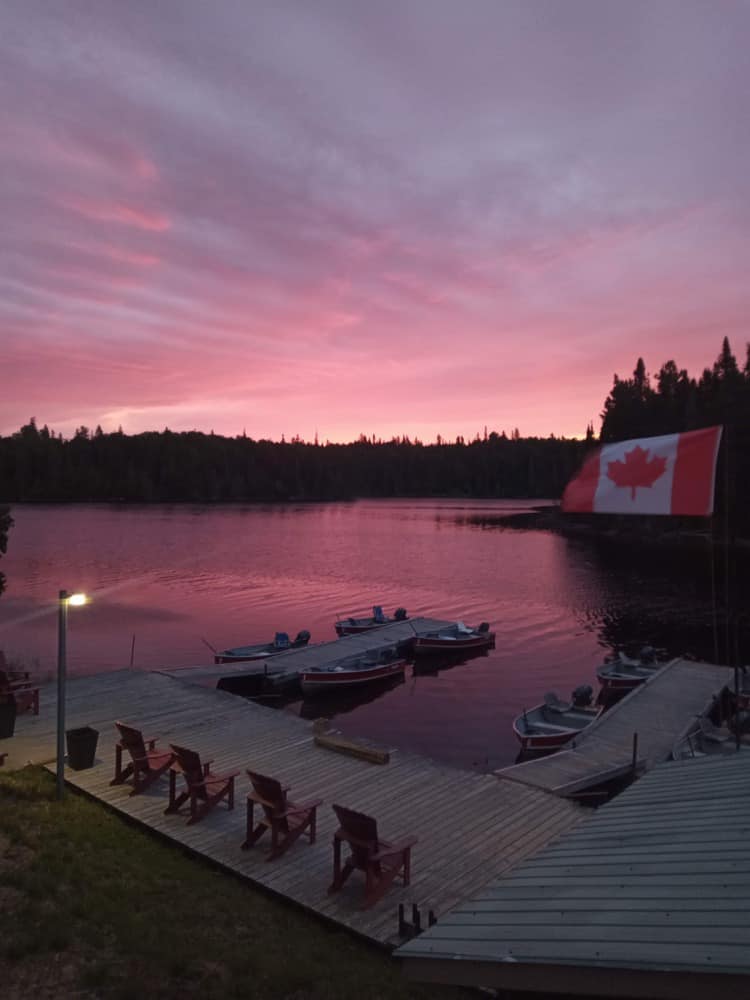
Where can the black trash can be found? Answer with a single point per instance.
(81, 747)
(7, 717)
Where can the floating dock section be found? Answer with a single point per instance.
(648, 898)
(285, 668)
(658, 712)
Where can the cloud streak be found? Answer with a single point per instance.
(412, 218)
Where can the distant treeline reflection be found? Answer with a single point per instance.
(36, 464)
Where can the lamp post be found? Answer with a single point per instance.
(62, 633)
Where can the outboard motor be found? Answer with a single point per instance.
(582, 696)
(399, 614)
(648, 654)
(302, 638)
(483, 627)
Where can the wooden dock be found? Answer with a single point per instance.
(471, 827)
(285, 667)
(648, 898)
(659, 711)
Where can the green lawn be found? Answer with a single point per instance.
(91, 906)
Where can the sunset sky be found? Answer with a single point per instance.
(404, 217)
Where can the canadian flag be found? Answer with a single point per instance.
(670, 474)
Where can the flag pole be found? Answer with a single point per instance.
(728, 593)
(714, 606)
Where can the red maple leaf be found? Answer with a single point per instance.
(637, 470)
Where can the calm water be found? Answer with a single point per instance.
(173, 575)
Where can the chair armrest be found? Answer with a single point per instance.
(21, 686)
(213, 778)
(301, 807)
(392, 849)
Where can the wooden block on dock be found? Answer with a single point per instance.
(341, 745)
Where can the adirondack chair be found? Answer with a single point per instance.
(380, 860)
(203, 789)
(285, 819)
(147, 764)
(19, 685)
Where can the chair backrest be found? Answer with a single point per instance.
(360, 830)
(281, 640)
(268, 789)
(132, 740)
(377, 613)
(190, 762)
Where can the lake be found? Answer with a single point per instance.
(172, 578)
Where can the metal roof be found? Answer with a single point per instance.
(656, 885)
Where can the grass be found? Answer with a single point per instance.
(91, 906)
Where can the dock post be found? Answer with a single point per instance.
(635, 753)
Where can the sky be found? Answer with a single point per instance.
(336, 217)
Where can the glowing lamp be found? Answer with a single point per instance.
(65, 599)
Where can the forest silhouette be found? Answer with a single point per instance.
(36, 464)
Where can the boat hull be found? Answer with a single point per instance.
(317, 681)
(546, 741)
(343, 629)
(546, 735)
(425, 645)
(260, 651)
(612, 679)
(229, 657)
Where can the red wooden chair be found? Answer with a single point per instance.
(202, 788)
(147, 764)
(285, 819)
(18, 684)
(380, 860)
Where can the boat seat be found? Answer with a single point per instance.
(555, 727)
(555, 704)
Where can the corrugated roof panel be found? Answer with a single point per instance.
(657, 879)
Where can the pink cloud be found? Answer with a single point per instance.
(122, 214)
(288, 220)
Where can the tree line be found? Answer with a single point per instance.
(36, 464)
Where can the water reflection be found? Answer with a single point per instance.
(233, 575)
(333, 703)
(436, 663)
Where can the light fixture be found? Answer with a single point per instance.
(62, 633)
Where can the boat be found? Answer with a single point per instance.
(454, 639)
(625, 673)
(263, 650)
(352, 672)
(554, 723)
(353, 626)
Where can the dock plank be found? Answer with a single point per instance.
(471, 827)
(658, 711)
